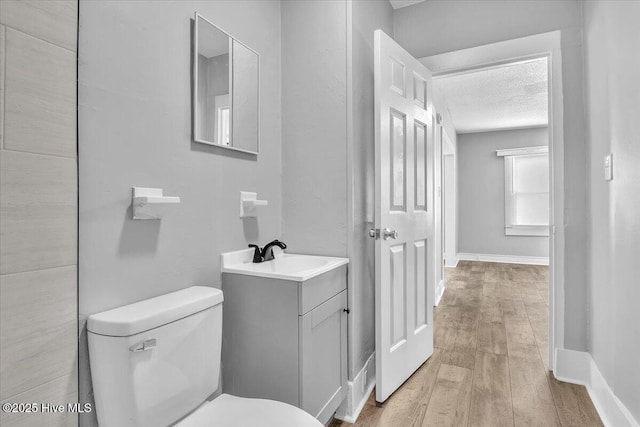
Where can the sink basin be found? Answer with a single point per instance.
(292, 264)
(287, 266)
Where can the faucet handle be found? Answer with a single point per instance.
(257, 253)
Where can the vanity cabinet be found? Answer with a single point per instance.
(286, 340)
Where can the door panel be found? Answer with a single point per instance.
(404, 215)
(421, 284)
(419, 91)
(420, 150)
(397, 76)
(398, 300)
(398, 156)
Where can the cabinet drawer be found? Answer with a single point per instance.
(317, 290)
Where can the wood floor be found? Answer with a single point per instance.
(489, 367)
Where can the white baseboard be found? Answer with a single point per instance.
(578, 367)
(451, 263)
(439, 292)
(358, 392)
(509, 259)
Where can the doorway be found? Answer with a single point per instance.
(539, 46)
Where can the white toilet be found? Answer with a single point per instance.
(155, 362)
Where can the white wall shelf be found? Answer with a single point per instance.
(151, 203)
(249, 204)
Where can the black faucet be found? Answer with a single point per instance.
(257, 255)
(266, 254)
(267, 251)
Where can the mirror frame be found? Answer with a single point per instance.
(194, 88)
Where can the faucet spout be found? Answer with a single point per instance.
(267, 251)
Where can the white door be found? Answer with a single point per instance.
(403, 215)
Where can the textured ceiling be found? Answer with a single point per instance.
(397, 4)
(505, 97)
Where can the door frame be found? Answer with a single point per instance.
(545, 45)
(449, 193)
(438, 204)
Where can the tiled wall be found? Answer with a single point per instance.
(38, 241)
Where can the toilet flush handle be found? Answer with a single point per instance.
(143, 346)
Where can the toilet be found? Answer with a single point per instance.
(156, 362)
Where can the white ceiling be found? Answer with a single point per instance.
(397, 4)
(506, 97)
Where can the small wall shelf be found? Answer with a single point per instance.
(249, 204)
(150, 203)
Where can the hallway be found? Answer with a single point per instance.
(489, 366)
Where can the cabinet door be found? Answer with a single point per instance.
(323, 357)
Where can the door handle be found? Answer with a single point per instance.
(389, 234)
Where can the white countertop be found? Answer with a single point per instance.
(286, 266)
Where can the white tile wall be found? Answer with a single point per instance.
(37, 328)
(55, 21)
(38, 207)
(59, 391)
(2, 56)
(40, 96)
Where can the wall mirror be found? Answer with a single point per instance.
(226, 75)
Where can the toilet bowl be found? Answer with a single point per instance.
(156, 362)
(233, 411)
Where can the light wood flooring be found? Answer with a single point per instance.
(490, 363)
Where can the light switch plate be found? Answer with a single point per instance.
(608, 167)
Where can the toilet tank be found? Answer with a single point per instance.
(154, 361)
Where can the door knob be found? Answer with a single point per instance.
(389, 234)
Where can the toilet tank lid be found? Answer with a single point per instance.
(154, 312)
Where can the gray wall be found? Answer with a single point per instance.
(135, 130)
(366, 18)
(314, 127)
(38, 239)
(481, 186)
(320, 135)
(436, 27)
(612, 67)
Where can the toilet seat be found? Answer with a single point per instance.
(233, 411)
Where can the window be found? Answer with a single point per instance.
(526, 189)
